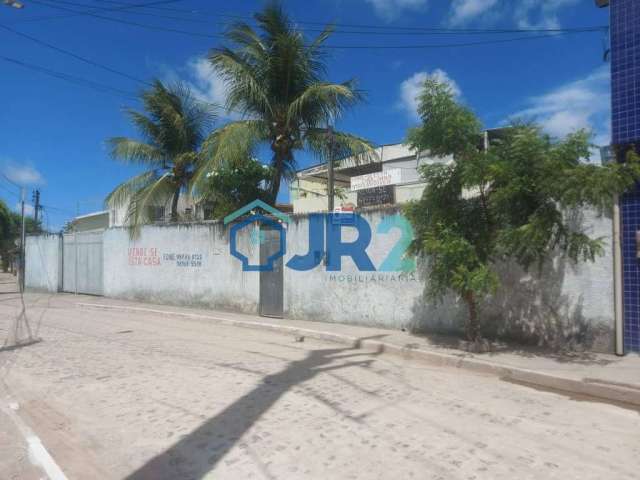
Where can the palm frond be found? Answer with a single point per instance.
(123, 193)
(246, 91)
(146, 126)
(343, 145)
(233, 143)
(156, 193)
(320, 39)
(175, 124)
(323, 100)
(132, 151)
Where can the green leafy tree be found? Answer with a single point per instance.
(511, 201)
(7, 227)
(276, 79)
(10, 233)
(173, 127)
(230, 187)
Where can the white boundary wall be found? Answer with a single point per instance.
(190, 264)
(43, 263)
(185, 264)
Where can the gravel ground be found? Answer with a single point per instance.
(118, 395)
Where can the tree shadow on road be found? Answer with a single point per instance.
(198, 453)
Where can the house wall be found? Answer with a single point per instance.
(43, 263)
(91, 222)
(186, 264)
(117, 217)
(309, 196)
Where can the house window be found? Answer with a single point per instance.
(156, 213)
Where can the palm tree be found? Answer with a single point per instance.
(173, 128)
(276, 80)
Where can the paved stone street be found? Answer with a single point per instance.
(132, 395)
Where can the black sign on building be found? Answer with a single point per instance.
(376, 196)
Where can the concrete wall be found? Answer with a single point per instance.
(186, 264)
(563, 305)
(43, 263)
(364, 298)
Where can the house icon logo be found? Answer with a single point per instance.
(275, 220)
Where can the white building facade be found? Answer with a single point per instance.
(390, 176)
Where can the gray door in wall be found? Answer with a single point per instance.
(82, 263)
(271, 282)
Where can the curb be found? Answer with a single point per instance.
(602, 390)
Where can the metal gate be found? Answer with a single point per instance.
(82, 263)
(271, 282)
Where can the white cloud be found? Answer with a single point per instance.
(412, 86)
(390, 9)
(583, 103)
(523, 13)
(540, 13)
(23, 174)
(204, 82)
(28, 209)
(463, 11)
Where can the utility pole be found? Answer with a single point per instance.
(75, 255)
(36, 204)
(22, 241)
(330, 175)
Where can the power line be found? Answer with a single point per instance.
(152, 7)
(10, 181)
(69, 78)
(127, 22)
(147, 14)
(373, 47)
(388, 28)
(74, 55)
(449, 45)
(76, 13)
(56, 209)
(6, 189)
(85, 82)
(401, 30)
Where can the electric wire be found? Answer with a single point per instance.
(404, 32)
(76, 13)
(70, 78)
(6, 189)
(10, 181)
(551, 33)
(344, 25)
(128, 22)
(74, 55)
(151, 7)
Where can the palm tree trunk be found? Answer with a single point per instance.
(274, 188)
(174, 205)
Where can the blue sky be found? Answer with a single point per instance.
(52, 132)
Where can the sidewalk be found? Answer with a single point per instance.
(607, 377)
